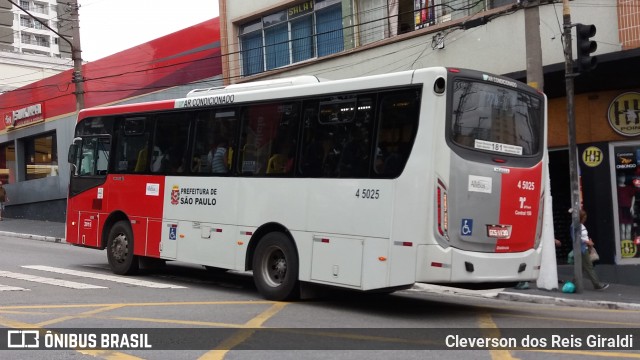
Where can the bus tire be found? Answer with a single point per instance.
(275, 267)
(120, 249)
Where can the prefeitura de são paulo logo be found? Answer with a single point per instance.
(175, 195)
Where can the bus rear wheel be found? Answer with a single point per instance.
(275, 267)
(120, 249)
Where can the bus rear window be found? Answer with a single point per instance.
(493, 118)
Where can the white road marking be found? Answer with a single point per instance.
(114, 278)
(49, 281)
(11, 288)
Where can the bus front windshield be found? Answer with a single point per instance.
(493, 118)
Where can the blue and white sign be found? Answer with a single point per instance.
(466, 227)
(172, 232)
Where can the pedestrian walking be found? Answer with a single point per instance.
(3, 199)
(587, 264)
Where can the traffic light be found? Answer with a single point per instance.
(585, 46)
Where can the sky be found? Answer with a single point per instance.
(110, 26)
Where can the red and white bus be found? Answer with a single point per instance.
(373, 183)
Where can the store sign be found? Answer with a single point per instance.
(592, 156)
(24, 116)
(624, 114)
(625, 161)
(300, 9)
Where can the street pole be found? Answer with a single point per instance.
(533, 45)
(77, 79)
(573, 149)
(76, 55)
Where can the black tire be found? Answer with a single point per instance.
(275, 267)
(120, 249)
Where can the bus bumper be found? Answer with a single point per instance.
(439, 265)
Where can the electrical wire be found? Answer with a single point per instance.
(419, 54)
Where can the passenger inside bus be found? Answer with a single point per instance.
(218, 157)
(278, 160)
(313, 157)
(354, 158)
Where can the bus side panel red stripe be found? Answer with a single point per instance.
(154, 234)
(139, 197)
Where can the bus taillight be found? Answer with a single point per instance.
(442, 209)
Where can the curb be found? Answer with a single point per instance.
(34, 237)
(501, 294)
(541, 299)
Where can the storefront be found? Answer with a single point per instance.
(38, 120)
(609, 168)
(624, 117)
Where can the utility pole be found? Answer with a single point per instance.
(76, 55)
(533, 45)
(78, 78)
(573, 148)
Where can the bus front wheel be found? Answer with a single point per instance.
(275, 267)
(120, 249)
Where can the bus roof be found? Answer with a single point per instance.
(256, 85)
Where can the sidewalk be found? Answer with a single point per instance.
(33, 229)
(617, 296)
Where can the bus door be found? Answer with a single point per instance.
(90, 157)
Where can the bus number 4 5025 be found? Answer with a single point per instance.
(368, 194)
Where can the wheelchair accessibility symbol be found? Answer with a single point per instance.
(466, 228)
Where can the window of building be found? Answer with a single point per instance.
(306, 30)
(41, 8)
(29, 22)
(41, 156)
(316, 28)
(372, 17)
(7, 163)
(42, 40)
(25, 21)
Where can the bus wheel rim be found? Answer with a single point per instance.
(274, 269)
(119, 248)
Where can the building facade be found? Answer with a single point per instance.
(29, 50)
(337, 39)
(38, 119)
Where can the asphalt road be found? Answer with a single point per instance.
(187, 313)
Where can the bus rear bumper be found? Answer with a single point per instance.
(439, 265)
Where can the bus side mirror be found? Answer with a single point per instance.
(73, 153)
(72, 156)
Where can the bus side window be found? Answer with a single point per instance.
(132, 142)
(398, 124)
(169, 150)
(215, 141)
(314, 138)
(269, 135)
(338, 137)
(201, 146)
